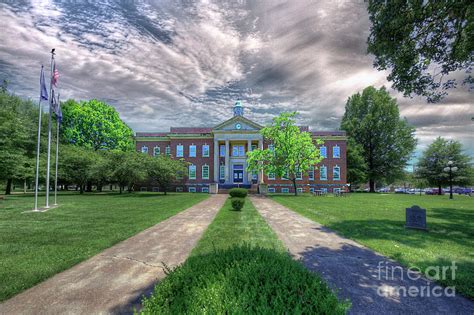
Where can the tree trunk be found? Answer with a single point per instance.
(294, 186)
(8, 189)
(371, 186)
(89, 187)
(81, 191)
(439, 189)
(120, 188)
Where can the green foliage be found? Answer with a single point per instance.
(163, 170)
(356, 164)
(75, 165)
(18, 125)
(436, 157)
(128, 168)
(294, 151)
(237, 203)
(242, 280)
(421, 42)
(372, 120)
(238, 192)
(95, 125)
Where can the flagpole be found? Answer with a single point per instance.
(38, 148)
(49, 129)
(57, 154)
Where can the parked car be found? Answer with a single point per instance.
(400, 191)
(383, 190)
(433, 191)
(412, 191)
(462, 191)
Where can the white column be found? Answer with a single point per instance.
(216, 161)
(260, 173)
(227, 161)
(249, 174)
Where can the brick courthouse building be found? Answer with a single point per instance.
(218, 155)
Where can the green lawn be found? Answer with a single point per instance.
(377, 221)
(231, 228)
(239, 266)
(35, 246)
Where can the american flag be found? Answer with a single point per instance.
(55, 77)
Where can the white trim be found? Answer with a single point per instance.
(192, 166)
(192, 189)
(179, 150)
(320, 173)
(168, 150)
(285, 190)
(300, 190)
(144, 149)
(205, 189)
(311, 173)
(202, 171)
(271, 190)
(222, 171)
(155, 149)
(325, 151)
(208, 150)
(338, 173)
(339, 152)
(192, 150)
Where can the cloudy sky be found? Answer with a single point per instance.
(184, 63)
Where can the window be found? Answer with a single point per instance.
(144, 149)
(205, 171)
(192, 150)
(238, 150)
(192, 171)
(300, 190)
(299, 175)
(271, 147)
(179, 189)
(336, 190)
(323, 152)
(156, 151)
(336, 152)
(254, 147)
(168, 150)
(323, 174)
(311, 190)
(222, 172)
(336, 173)
(205, 189)
(179, 150)
(222, 150)
(285, 176)
(311, 173)
(285, 190)
(271, 176)
(205, 150)
(192, 189)
(271, 190)
(324, 190)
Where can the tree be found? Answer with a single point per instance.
(356, 164)
(372, 120)
(75, 165)
(164, 171)
(101, 170)
(128, 168)
(95, 125)
(18, 121)
(293, 150)
(422, 42)
(436, 157)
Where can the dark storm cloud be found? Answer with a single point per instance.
(163, 63)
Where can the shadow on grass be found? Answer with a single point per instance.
(363, 276)
(242, 279)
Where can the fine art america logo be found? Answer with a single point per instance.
(413, 284)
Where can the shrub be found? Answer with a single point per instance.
(237, 203)
(242, 280)
(238, 192)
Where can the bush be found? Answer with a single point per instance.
(238, 192)
(242, 280)
(237, 203)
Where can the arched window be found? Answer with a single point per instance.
(192, 171)
(144, 149)
(205, 171)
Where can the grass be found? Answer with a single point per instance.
(231, 228)
(35, 246)
(239, 266)
(377, 221)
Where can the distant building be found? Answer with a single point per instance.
(218, 155)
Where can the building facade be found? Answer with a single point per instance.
(218, 155)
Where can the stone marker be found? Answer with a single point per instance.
(416, 218)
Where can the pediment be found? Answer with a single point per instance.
(238, 121)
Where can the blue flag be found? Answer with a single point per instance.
(43, 90)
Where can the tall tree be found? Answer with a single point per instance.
(356, 164)
(75, 165)
(96, 125)
(422, 42)
(372, 120)
(293, 150)
(128, 168)
(17, 133)
(436, 157)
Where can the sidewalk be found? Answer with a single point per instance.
(114, 280)
(353, 269)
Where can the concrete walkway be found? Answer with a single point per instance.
(353, 269)
(114, 280)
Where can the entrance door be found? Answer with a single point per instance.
(238, 173)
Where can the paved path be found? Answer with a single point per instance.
(114, 280)
(353, 269)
